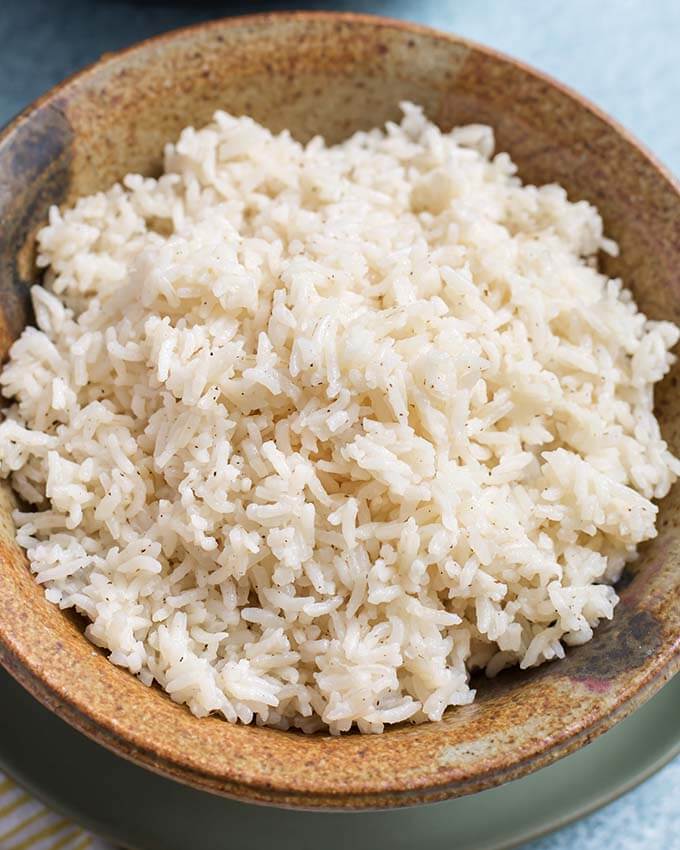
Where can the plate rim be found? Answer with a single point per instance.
(94, 825)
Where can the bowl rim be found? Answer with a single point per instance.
(378, 21)
(99, 726)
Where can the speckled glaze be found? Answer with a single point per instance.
(333, 74)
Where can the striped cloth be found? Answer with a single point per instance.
(26, 824)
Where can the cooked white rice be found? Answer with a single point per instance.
(309, 433)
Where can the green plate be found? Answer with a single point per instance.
(130, 806)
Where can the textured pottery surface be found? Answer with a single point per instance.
(334, 74)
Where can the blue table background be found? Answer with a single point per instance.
(622, 54)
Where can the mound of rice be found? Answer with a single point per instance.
(311, 432)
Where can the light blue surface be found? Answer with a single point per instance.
(622, 54)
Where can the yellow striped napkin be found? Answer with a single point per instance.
(25, 824)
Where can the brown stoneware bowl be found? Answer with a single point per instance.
(333, 74)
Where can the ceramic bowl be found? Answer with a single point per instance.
(333, 74)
